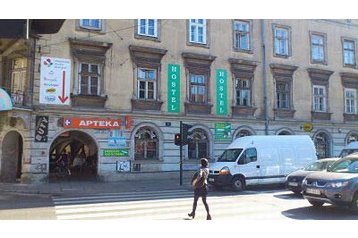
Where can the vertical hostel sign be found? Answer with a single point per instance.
(55, 80)
(221, 92)
(174, 88)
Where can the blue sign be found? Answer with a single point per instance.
(5, 101)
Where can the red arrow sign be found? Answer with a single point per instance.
(62, 98)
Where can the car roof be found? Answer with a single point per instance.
(352, 156)
(328, 159)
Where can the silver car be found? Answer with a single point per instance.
(338, 185)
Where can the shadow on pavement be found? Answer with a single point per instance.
(327, 212)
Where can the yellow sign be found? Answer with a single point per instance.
(307, 127)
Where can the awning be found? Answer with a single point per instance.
(16, 28)
(5, 101)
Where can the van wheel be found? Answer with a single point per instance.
(316, 203)
(238, 184)
(354, 204)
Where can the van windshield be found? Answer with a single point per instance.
(230, 155)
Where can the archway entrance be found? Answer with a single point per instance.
(11, 161)
(73, 156)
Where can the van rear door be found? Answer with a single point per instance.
(247, 165)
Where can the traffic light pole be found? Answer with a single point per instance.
(181, 154)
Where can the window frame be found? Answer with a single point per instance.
(237, 89)
(324, 47)
(89, 75)
(235, 36)
(90, 27)
(287, 92)
(197, 25)
(354, 100)
(155, 139)
(205, 85)
(345, 39)
(146, 34)
(324, 97)
(289, 39)
(204, 139)
(155, 83)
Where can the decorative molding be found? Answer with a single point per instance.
(144, 105)
(197, 108)
(319, 76)
(242, 68)
(89, 101)
(350, 117)
(349, 80)
(89, 51)
(198, 62)
(282, 71)
(243, 111)
(321, 115)
(284, 113)
(146, 56)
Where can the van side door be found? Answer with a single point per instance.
(247, 165)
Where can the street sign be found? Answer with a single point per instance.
(55, 80)
(222, 131)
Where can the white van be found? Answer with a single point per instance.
(252, 160)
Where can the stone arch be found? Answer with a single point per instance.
(323, 142)
(284, 131)
(240, 129)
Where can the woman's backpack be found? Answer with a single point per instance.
(196, 181)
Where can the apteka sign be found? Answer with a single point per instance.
(91, 123)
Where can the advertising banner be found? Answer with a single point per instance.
(221, 92)
(55, 81)
(41, 129)
(91, 123)
(222, 131)
(174, 88)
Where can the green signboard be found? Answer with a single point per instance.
(221, 92)
(174, 88)
(115, 153)
(222, 131)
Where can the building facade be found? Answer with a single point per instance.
(113, 92)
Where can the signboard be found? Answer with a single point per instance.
(116, 139)
(124, 166)
(55, 80)
(222, 131)
(41, 129)
(221, 92)
(5, 101)
(91, 123)
(173, 88)
(307, 127)
(115, 153)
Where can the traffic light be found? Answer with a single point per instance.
(186, 133)
(177, 139)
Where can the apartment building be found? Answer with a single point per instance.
(113, 92)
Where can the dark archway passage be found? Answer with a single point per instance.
(11, 161)
(73, 156)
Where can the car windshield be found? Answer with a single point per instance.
(230, 155)
(318, 166)
(346, 152)
(345, 166)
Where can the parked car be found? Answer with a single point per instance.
(349, 149)
(338, 185)
(294, 179)
(253, 160)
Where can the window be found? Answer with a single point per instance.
(198, 88)
(243, 92)
(350, 98)
(318, 48)
(89, 79)
(349, 57)
(281, 41)
(94, 24)
(242, 36)
(146, 144)
(322, 144)
(283, 95)
(319, 98)
(352, 137)
(198, 146)
(197, 31)
(243, 133)
(18, 80)
(148, 27)
(249, 155)
(146, 79)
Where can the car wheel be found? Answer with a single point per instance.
(238, 184)
(354, 204)
(316, 203)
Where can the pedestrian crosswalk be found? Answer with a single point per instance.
(157, 205)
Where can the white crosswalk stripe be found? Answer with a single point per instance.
(156, 205)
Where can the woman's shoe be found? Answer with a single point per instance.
(208, 217)
(192, 214)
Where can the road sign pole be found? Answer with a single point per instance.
(181, 154)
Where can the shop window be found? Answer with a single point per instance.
(198, 146)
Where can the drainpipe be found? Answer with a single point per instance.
(264, 74)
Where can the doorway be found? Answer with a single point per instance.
(11, 161)
(73, 156)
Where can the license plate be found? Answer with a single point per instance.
(211, 179)
(313, 191)
(293, 184)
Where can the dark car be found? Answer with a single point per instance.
(338, 185)
(294, 179)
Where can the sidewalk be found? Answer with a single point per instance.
(88, 187)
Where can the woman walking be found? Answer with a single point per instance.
(200, 185)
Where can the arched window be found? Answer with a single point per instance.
(243, 133)
(146, 144)
(352, 137)
(322, 145)
(284, 133)
(198, 146)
